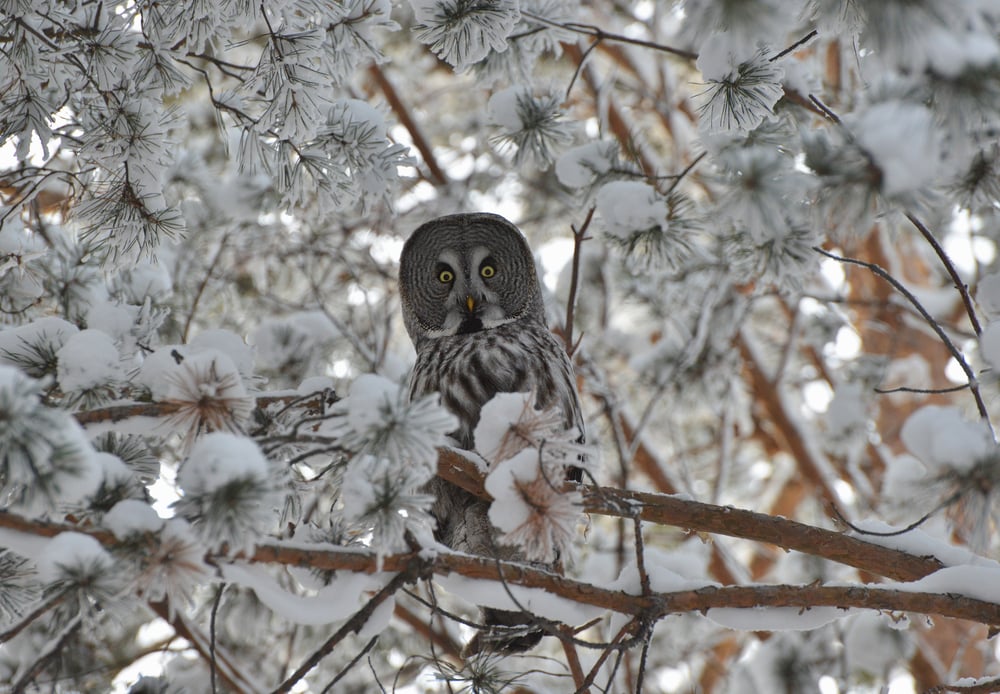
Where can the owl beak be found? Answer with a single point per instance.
(471, 303)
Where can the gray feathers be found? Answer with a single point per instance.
(473, 307)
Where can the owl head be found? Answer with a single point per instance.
(463, 273)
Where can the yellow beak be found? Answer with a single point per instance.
(470, 302)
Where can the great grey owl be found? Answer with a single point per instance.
(473, 307)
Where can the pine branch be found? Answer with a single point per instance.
(723, 520)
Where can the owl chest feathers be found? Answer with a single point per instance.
(469, 369)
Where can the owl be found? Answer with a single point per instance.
(472, 305)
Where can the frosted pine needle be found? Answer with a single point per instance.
(209, 394)
(531, 508)
(173, 565)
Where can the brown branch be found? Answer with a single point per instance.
(722, 520)
(579, 235)
(651, 606)
(438, 176)
(572, 657)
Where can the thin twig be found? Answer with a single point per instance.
(579, 66)
(600, 35)
(921, 391)
(961, 286)
(824, 109)
(211, 636)
(687, 169)
(935, 326)
(640, 676)
(579, 236)
(354, 661)
(212, 266)
(798, 44)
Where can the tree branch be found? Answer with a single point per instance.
(961, 286)
(935, 326)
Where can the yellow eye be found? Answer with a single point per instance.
(446, 276)
(487, 271)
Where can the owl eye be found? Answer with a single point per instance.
(487, 270)
(446, 275)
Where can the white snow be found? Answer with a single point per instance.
(904, 142)
(112, 319)
(533, 600)
(230, 344)
(209, 373)
(496, 419)
(775, 618)
(219, 458)
(717, 57)
(315, 384)
(370, 396)
(358, 112)
(668, 572)
(503, 108)
(987, 295)
(155, 370)
(131, 517)
(509, 510)
(45, 331)
(950, 53)
(978, 582)
(989, 344)
(70, 549)
(580, 166)
(943, 439)
(146, 279)
(465, 37)
(279, 340)
(338, 600)
(922, 544)
(87, 360)
(847, 412)
(630, 206)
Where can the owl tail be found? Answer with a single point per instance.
(504, 633)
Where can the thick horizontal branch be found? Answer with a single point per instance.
(649, 606)
(722, 520)
(655, 605)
